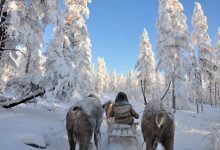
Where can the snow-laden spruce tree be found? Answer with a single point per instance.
(159, 85)
(77, 45)
(145, 67)
(101, 75)
(217, 48)
(121, 82)
(93, 74)
(59, 73)
(201, 41)
(131, 86)
(11, 14)
(172, 43)
(128, 84)
(69, 68)
(25, 24)
(106, 81)
(196, 91)
(31, 32)
(25, 30)
(49, 10)
(217, 55)
(113, 82)
(218, 42)
(216, 74)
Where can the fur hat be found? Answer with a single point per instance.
(121, 97)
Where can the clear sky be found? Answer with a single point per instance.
(115, 28)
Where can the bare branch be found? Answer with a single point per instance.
(11, 49)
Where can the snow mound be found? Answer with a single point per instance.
(34, 141)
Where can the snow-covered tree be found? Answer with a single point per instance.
(172, 42)
(25, 29)
(93, 74)
(69, 68)
(159, 85)
(33, 31)
(77, 46)
(106, 81)
(217, 47)
(59, 73)
(201, 40)
(113, 82)
(24, 26)
(128, 84)
(196, 91)
(145, 67)
(131, 85)
(216, 75)
(121, 82)
(101, 75)
(217, 52)
(12, 13)
(49, 8)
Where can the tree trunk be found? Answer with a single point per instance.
(201, 105)
(173, 95)
(210, 86)
(28, 62)
(197, 106)
(36, 93)
(215, 95)
(218, 97)
(2, 28)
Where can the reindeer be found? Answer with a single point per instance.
(82, 120)
(108, 108)
(157, 125)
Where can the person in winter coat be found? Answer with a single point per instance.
(122, 110)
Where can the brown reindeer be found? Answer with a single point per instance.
(108, 108)
(82, 120)
(157, 126)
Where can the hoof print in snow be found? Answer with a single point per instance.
(36, 146)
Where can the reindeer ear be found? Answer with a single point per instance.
(76, 108)
(103, 106)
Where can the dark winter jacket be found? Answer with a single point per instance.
(122, 110)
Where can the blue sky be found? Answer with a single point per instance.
(115, 28)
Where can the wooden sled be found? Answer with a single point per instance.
(122, 132)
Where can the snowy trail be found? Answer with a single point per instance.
(193, 130)
(28, 123)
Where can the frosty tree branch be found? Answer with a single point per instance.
(9, 49)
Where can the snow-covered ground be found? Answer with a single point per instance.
(45, 126)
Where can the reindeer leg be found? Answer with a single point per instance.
(168, 144)
(149, 145)
(96, 138)
(72, 142)
(84, 145)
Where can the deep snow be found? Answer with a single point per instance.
(44, 124)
